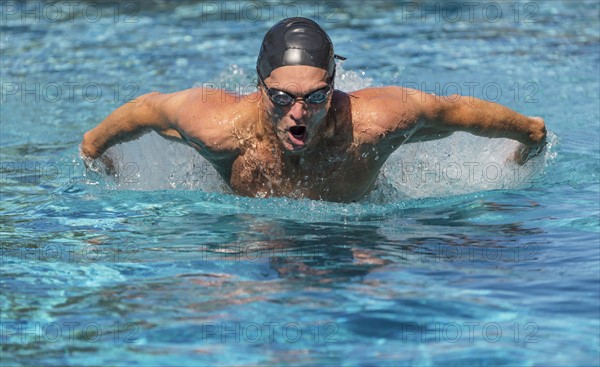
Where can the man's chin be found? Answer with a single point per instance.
(294, 148)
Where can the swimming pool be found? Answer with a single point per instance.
(456, 258)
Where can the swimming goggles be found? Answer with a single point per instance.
(282, 98)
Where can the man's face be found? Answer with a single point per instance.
(298, 123)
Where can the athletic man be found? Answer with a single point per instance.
(297, 136)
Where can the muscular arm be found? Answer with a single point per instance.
(479, 117)
(153, 111)
(429, 117)
(204, 119)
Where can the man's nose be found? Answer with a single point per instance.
(298, 109)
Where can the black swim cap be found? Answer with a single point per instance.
(296, 41)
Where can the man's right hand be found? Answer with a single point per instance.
(538, 135)
(87, 149)
(89, 160)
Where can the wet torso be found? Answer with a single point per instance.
(343, 167)
(342, 173)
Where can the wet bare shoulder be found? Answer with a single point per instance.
(380, 113)
(211, 120)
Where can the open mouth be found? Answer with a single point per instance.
(297, 134)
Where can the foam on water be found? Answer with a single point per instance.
(462, 163)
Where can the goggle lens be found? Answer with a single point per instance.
(281, 98)
(318, 96)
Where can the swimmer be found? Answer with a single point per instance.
(297, 136)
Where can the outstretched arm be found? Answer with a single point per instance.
(479, 117)
(153, 111)
(438, 117)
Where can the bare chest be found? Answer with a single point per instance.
(336, 175)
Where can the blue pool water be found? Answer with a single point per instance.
(457, 257)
